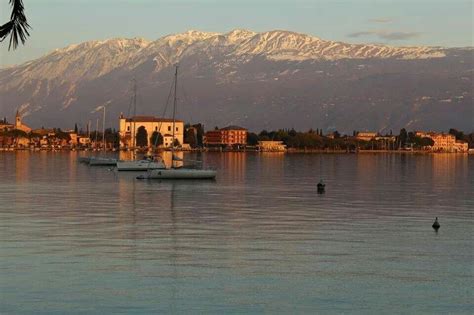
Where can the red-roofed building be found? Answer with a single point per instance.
(228, 136)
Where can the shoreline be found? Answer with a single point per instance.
(289, 151)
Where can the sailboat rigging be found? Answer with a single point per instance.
(102, 161)
(138, 165)
(174, 172)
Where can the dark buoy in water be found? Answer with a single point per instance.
(436, 225)
(321, 186)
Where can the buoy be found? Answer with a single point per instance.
(321, 187)
(436, 224)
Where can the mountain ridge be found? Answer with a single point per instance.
(249, 73)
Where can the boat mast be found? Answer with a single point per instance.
(174, 113)
(134, 136)
(103, 129)
(96, 133)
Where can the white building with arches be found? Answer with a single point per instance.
(148, 125)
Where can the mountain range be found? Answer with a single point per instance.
(268, 80)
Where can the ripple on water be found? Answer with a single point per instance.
(258, 239)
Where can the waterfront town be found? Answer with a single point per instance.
(147, 132)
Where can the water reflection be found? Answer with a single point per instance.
(257, 239)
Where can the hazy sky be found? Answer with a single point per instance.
(58, 23)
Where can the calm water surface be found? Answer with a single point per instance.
(82, 240)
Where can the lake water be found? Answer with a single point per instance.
(86, 240)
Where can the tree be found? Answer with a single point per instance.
(16, 133)
(59, 134)
(426, 142)
(411, 137)
(17, 27)
(458, 134)
(156, 139)
(142, 137)
(252, 138)
(199, 134)
(112, 136)
(403, 136)
(190, 137)
(75, 128)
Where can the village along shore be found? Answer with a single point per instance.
(148, 133)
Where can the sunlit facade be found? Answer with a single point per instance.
(444, 142)
(131, 126)
(228, 136)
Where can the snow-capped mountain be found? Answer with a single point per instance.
(259, 80)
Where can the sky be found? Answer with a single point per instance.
(58, 23)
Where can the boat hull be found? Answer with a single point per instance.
(84, 159)
(102, 162)
(139, 165)
(179, 173)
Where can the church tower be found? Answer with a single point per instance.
(17, 120)
(19, 125)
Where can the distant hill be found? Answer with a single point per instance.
(268, 80)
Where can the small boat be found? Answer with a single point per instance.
(436, 225)
(321, 187)
(100, 161)
(84, 159)
(140, 165)
(179, 173)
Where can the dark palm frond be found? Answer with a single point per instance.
(17, 27)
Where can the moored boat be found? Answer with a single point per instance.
(139, 165)
(179, 173)
(84, 159)
(100, 161)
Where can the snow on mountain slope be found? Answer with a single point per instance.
(274, 77)
(95, 58)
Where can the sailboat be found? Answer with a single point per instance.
(149, 163)
(173, 172)
(140, 165)
(102, 161)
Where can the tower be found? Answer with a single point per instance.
(18, 123)
(17, 120)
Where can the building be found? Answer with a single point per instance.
(5, 126)
(83, 141)
(271, 146)
(148, 125)
(366, 136)
(228, 136)
(19, 124)
(461, 147)
(44, 132)
(74, 138)
(6, 141)
(444, 142)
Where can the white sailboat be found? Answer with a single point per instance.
(102, 161)
(173, 172)
(138, 165)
